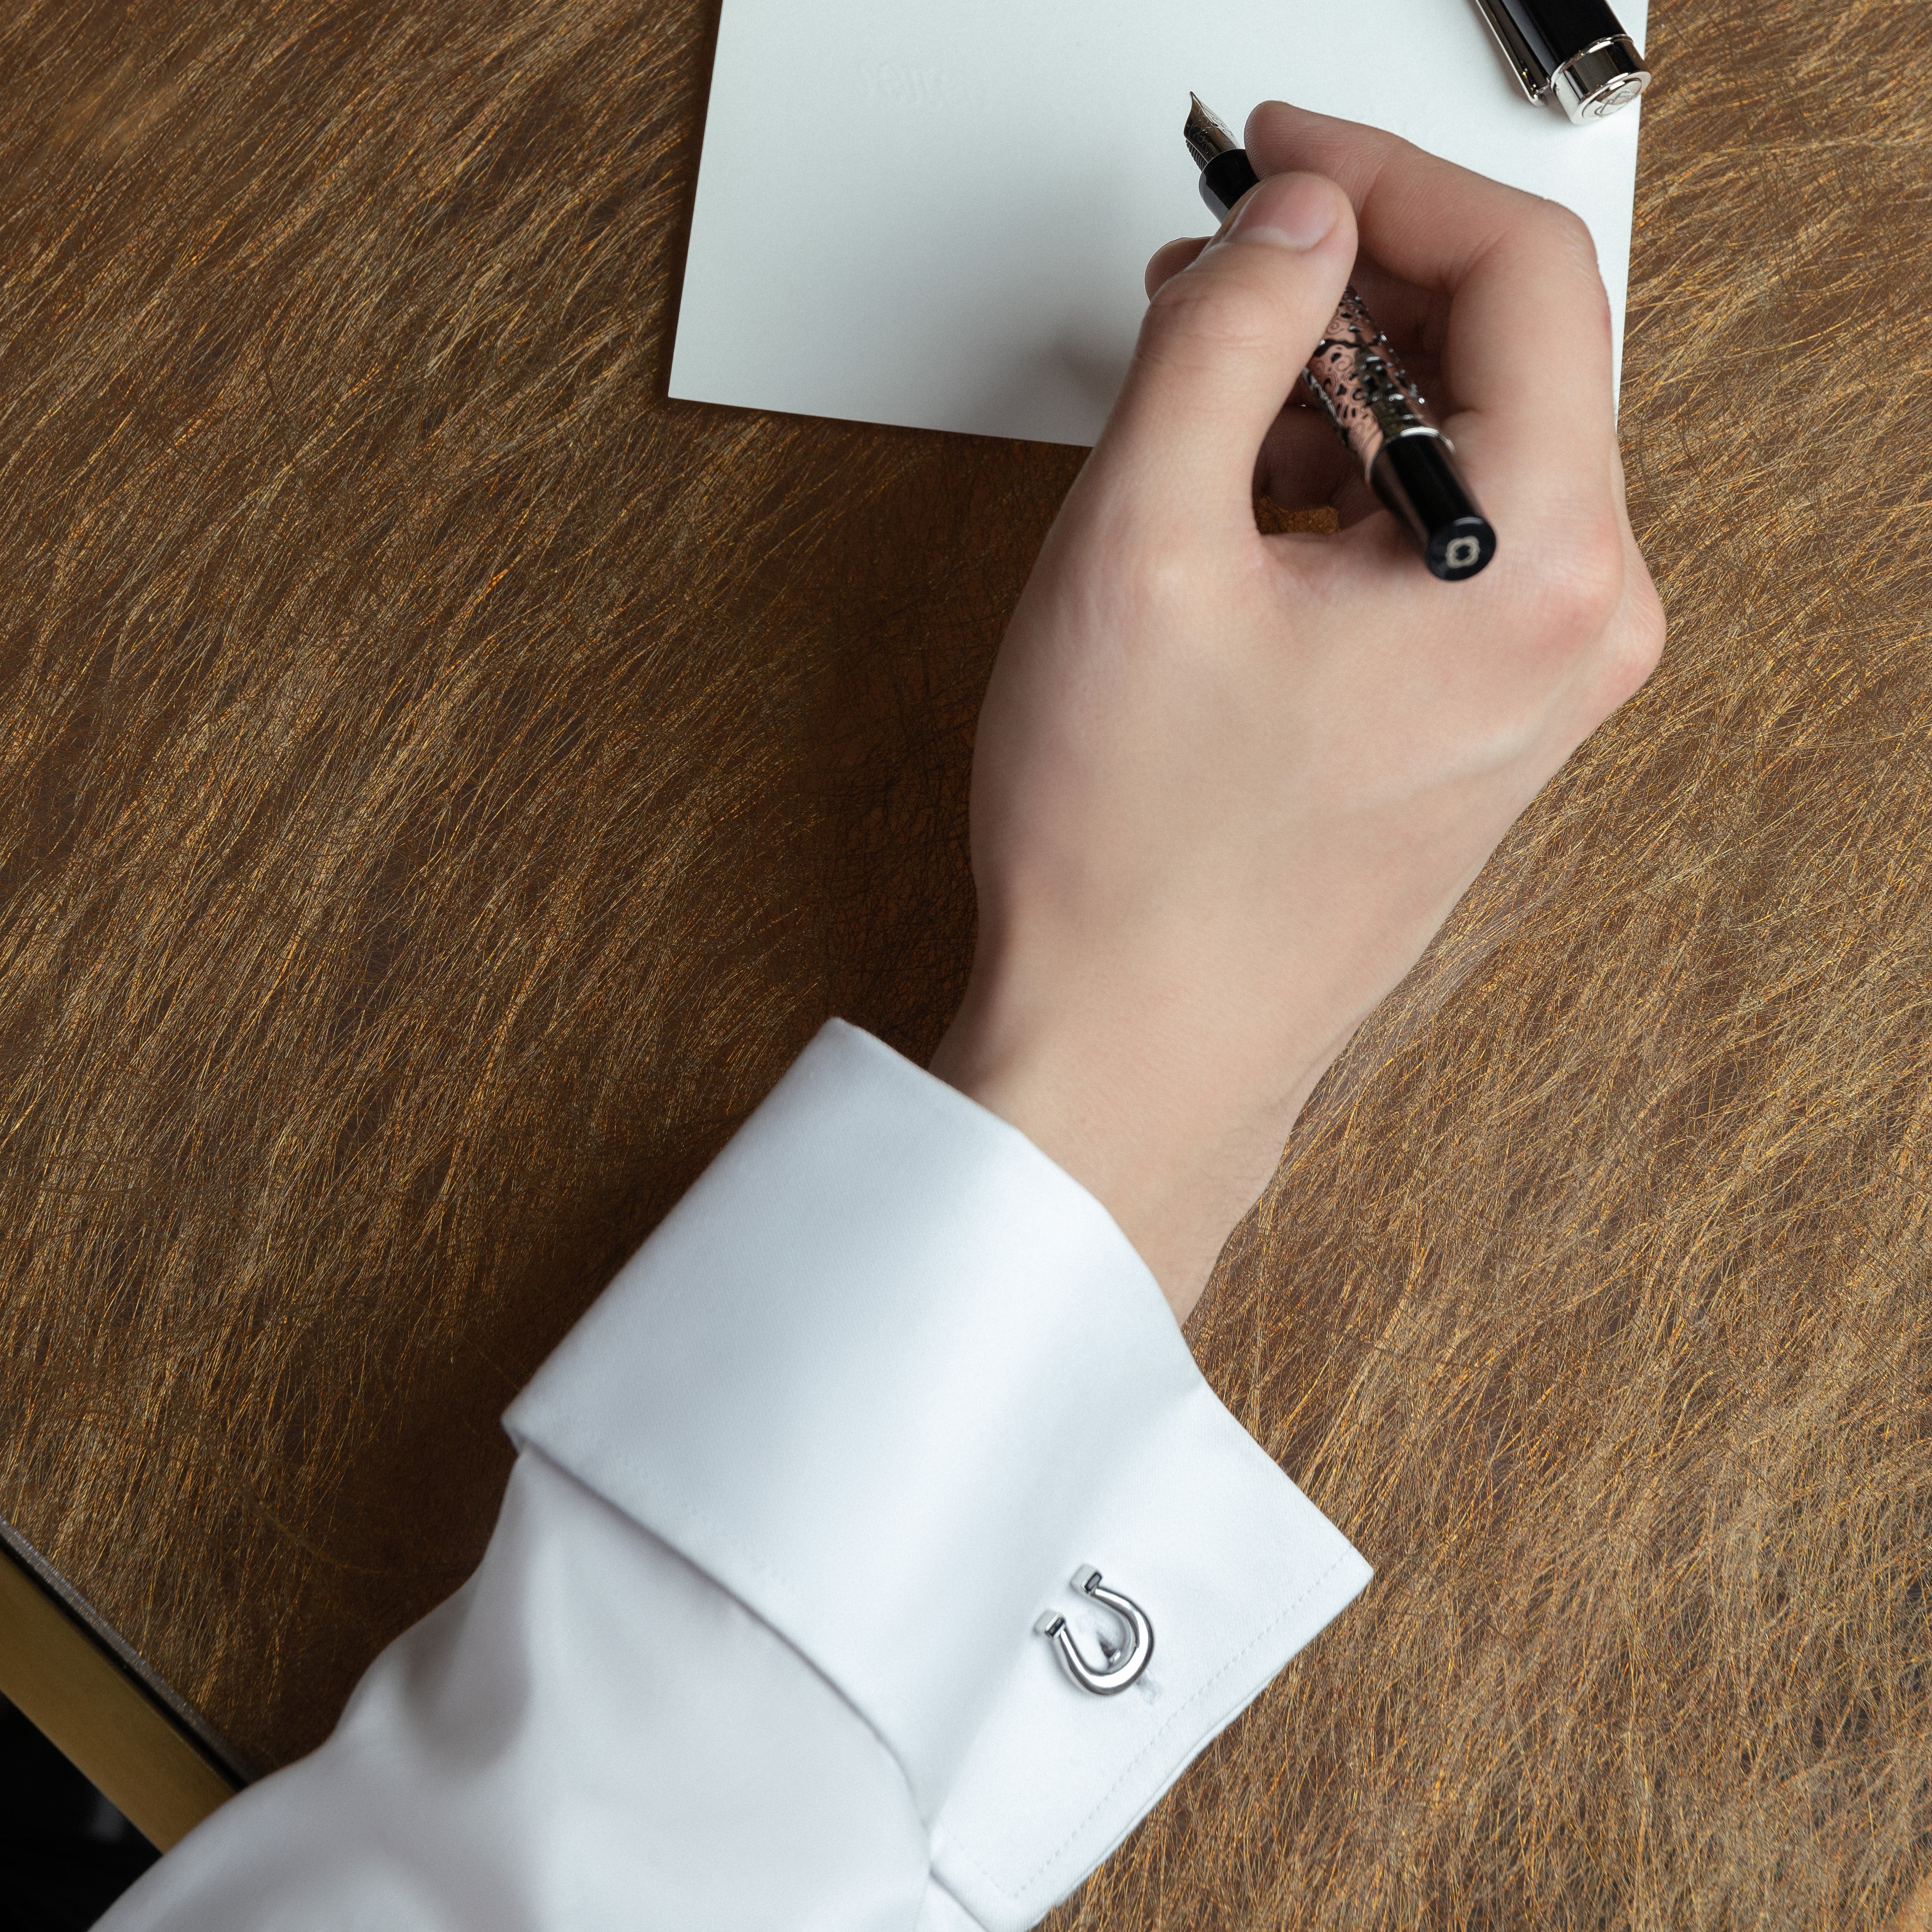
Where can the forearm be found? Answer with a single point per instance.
(1227, 786)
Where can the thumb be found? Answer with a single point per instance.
(1222, 344)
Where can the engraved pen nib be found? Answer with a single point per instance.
(1207, 136)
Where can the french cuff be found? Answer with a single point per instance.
(890, 1377)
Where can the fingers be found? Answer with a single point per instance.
(1303, 462)
(1223, 342)
(1167, 260)
(1526, 341)
(1414, 319)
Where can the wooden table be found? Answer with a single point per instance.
(443, 783)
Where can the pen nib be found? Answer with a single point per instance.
(1207, 136)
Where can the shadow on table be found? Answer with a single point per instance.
(66, 1854)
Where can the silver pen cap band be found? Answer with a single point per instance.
(1540, 44)
(1600, 79)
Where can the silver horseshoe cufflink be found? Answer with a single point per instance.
(1116, 1671)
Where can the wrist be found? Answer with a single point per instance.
(1173, 1120)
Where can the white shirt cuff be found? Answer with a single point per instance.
(889, 1376)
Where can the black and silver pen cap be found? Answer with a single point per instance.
(1357, 381)
(1574, 52)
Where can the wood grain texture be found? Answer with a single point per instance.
(442, 783)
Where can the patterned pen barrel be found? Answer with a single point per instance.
(1356, 380)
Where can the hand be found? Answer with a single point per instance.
(1227, 786)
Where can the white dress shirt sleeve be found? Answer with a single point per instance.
(752, 1644)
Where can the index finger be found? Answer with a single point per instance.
(1527, 347)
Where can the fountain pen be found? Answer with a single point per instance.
(1356, 380)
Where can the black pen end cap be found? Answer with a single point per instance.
(1460, 549)
(1416, 478)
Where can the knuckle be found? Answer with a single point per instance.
(1601, 614)
(1583, 589)
(1640, 640)
(1567, 244)
(1570, 233)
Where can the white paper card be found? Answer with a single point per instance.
(939, 215)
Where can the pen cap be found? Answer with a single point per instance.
(1416, 478)
(1575, 51)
